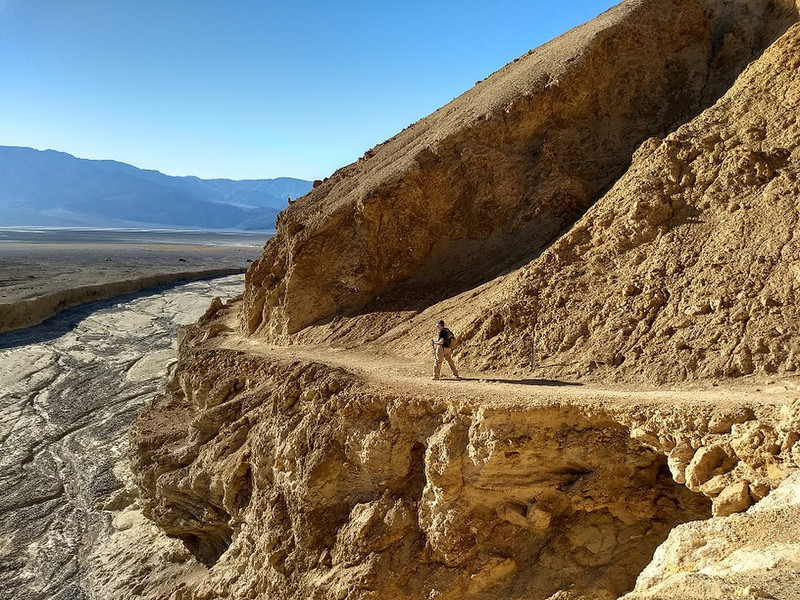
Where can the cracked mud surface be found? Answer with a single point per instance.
(68, 391)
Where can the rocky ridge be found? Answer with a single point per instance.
(538, 213)
(485, 183)
(295, 474)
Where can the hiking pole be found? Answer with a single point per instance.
(533, 353)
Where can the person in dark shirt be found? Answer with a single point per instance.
(443, 350)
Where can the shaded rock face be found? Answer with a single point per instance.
(688, 268)
(494, 176)
(298, 479)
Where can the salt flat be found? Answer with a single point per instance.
(44, 270)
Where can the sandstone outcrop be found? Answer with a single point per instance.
(750, 555)
(616, 207)
(290, 477)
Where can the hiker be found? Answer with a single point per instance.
(443, 350)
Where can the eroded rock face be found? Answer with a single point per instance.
(687, 268)
(494, 176)
(314, 478)
(750, 555)
(297, 479)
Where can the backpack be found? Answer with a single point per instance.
(449, 338)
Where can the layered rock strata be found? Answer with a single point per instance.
(290, 477)
(493, 177)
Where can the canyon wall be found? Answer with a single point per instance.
(291, 478)
(495, 176)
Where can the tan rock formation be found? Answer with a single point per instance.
(328, 468)
(497, 174)
(292, 478)
(751, 555)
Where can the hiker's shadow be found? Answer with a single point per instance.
(542, 382)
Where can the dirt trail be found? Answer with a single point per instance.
(412, 376)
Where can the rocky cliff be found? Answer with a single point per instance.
(615, 207)
(489, 180)
(291, 474)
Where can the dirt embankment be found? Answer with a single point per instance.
(685, 269)
(40, 278)
(32, 311)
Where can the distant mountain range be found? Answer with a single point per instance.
(49, 188)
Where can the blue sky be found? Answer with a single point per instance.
(247, 89)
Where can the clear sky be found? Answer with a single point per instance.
(246, 88)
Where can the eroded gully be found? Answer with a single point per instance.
(69, 389)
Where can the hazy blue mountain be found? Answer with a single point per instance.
(56, 189)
